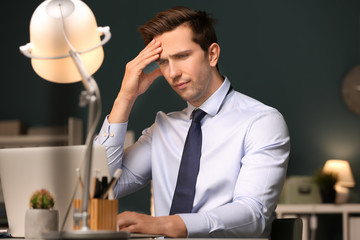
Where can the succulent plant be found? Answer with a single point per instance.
(42, 199)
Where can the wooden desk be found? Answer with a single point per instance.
(162, 238)
(312, 209)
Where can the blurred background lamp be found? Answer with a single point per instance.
(65, 47)
(342, 169)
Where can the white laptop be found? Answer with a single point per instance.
(24, 170)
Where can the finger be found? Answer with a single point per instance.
(151, 49)
(141, 61)
(138, 64)
(154, 74)
(149, 56)
(131, 229)
(153, 44)
(124, 219)
(128, 221)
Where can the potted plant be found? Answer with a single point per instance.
(326, 183)
(41, 217)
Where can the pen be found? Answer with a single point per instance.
(112, 183)
(104, 185)
(97, 190)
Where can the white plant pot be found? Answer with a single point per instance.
(38, 221)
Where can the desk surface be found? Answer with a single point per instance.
(4, 229)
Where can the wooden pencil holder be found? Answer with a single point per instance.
(102, 213)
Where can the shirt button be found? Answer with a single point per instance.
(105, 134)
(111, 134)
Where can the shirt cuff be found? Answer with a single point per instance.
(112, 134)
(196, 224)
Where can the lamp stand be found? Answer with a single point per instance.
(90, 97)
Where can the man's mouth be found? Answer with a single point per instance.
(181, 85)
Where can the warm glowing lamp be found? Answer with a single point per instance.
(54, 33)
(65, 47)
(342, 170)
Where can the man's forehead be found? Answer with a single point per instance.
(176, 41)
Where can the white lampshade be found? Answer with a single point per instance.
(48, 40)
(343, 171)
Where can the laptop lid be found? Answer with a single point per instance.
(25, 170)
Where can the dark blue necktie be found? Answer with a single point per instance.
(189, 167)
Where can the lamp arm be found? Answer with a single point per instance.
(92, 97)
(85, 78)
(103, 31)
(94, 113)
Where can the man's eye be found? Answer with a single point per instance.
(162, 62)
(182, 56)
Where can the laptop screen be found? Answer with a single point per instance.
(25, 170)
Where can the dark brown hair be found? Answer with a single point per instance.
(200, 23)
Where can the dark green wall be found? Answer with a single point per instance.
(292, 55)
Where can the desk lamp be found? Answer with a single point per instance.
(65, 47)
(345, 178)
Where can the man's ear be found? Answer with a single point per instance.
(214, 54)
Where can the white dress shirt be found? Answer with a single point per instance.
(245, 152)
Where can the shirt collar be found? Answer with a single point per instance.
(212, 105)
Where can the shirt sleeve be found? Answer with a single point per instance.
(259, 184)
(135, 161)
(112, 137)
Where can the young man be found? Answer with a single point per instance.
(245, 144)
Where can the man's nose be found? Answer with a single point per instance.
(174, 70)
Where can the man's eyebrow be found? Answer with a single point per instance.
(185, 52)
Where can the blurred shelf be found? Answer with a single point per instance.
(72, 134)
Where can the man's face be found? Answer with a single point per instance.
(185, 66)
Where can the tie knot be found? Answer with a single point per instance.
(197, 115)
